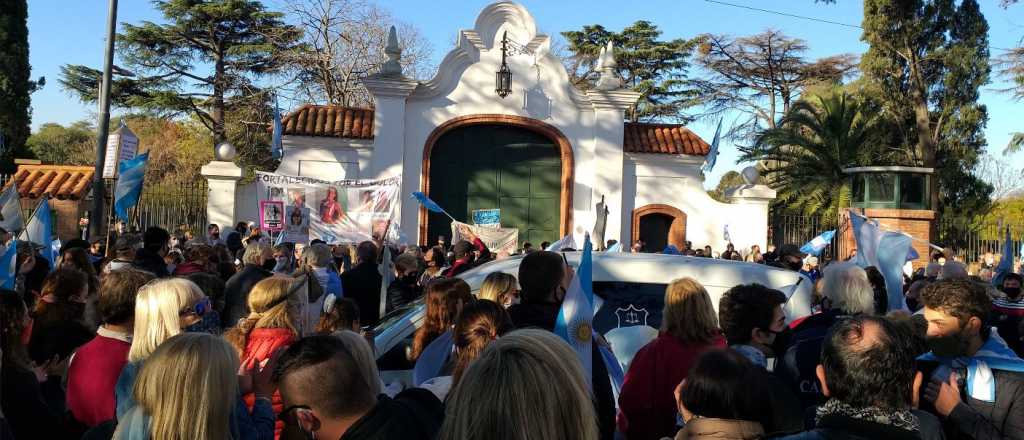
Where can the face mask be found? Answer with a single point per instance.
(269, 264)
(912, 304)
(282, 265)
(949, 346)
(1012, 292)
(171, 267)
(782, 340)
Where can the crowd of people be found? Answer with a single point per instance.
(174, 336)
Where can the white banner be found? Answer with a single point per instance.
(122, 144)
(498, 240)
(342, 211)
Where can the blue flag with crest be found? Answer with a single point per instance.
(129, 184)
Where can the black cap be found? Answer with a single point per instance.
(791, 250)
(126, 242)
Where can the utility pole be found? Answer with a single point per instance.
(97, 218)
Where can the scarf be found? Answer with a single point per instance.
(994, 354)
(902, 418)
(134, 425)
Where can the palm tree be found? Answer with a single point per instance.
(803, 157)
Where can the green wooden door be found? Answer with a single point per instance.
(497, 167)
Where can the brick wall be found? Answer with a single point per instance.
(917, 223)
(65, 212)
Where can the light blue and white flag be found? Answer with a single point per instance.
(1005, 262)
(8, 261)
(430, 204)
(567, 242)
(574, 323)
(712, 157)
(39, 230)
(433, 358)
(10, 209)
(132, 172)
(819, 243)
(276, 144)
(892, 253)
(617, 247)
(993, 355)
(867, 234)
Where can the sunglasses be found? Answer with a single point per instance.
(288, 417)
(200, 308)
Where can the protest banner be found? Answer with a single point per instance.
(341, 211)
(271, 215)
(498, 240)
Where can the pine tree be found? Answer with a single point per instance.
(15, 83)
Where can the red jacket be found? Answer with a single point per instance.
(92, 376)
(186, 269)
(647, 401)
(263, 342)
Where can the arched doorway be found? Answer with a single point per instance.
(520, 166)
(658, 226)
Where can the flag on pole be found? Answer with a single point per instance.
(818, 244)
(712, 157)
(430, 204)
(129, 184)
(617, 247)
(8, 261)
(276, 144)
(39, 230)
(867, 235)
(1005, 262)
(10, 209)
(567, 242)
(574, 319)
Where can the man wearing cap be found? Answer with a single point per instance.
(790, 258)
(124, 252)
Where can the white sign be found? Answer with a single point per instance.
(121, 145)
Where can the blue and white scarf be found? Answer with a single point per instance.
(993, 355)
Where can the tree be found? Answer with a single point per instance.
(655, 68)
(207, 53)
(15, 83)
(810, 147)
(761, 76)
(1005, 178)
(928, 60)
(730, 179)
(344, 40)
(71, 145)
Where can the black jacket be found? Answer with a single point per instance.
(236, 294)
(151, 262)
(836, 427)
(797, 364)
(401, 292)
(414, 414)
(978, 420)
(33, 410)
(362, 284)
(543, 316)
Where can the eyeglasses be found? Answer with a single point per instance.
(200, 308)
(287, 415)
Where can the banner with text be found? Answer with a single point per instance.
(342, 211)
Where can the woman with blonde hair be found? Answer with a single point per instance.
(274, 322)
(527, 384)
(689, 327)
(501, 288)
(203, 364)
(163, 308)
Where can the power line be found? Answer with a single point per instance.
(804, 17)
(785, 14)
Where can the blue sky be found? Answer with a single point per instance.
(66, 32)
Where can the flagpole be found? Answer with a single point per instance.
(110, 216)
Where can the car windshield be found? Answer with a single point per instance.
(393, 316)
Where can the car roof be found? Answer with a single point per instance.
(715, 275)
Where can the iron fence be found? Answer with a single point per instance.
(172, 207)
(797, 229)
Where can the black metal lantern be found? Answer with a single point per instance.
(503, 77)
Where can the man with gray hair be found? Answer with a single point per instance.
(258, 262)
(846, 292)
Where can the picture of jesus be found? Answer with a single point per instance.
(297, 196)
(330, 209)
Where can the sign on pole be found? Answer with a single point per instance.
(490, 218)
(271, 215)
(122, 144)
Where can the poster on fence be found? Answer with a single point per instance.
(341, 211)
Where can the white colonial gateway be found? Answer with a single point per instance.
(545, 155)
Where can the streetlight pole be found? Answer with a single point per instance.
(97, 217)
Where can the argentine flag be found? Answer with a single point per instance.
(712, 157)
(818, 244)
(129, 184)
(10, 209)
(40, 231)
(565, 242)
(574, 323)
(8, 261)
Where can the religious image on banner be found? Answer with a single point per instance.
(343, 211)
(271, 215)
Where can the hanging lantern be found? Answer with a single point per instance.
(503, 77)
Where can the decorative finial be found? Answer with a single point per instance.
(392, 67)
(609, 79)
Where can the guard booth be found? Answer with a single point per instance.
(898, 197)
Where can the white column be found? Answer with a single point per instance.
(389, 95)
(609, 119)
(222, 181)
(752, 225)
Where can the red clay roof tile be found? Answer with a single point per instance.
(662, 139)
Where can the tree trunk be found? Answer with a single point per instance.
(925, 149)
(217, 107)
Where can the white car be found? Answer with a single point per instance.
(629, 294)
